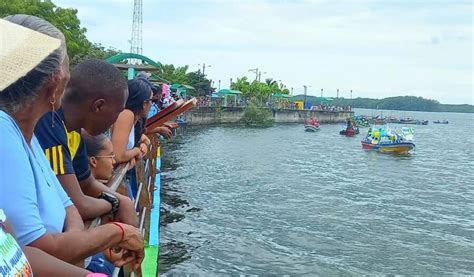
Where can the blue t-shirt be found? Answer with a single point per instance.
(30, 193)
(65, 150)
(153, 110)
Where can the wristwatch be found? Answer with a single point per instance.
(112, 199)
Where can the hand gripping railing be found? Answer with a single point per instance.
(114, 183)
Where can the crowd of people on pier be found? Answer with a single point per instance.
(331, 108)
(63, 131)
(207, 101)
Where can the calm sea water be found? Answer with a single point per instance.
(282, 201)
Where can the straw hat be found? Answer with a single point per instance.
(21, 50)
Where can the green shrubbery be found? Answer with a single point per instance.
(257, 117)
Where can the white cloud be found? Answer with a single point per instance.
(376, 48)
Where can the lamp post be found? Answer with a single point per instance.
(322, 92)
(254, 70)
(204, 68)
(219, 85)
(337, 94)
(351, 94)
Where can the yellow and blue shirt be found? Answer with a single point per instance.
(64, 149)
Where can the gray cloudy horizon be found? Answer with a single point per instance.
(376, 48)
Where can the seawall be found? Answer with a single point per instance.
(220, 115)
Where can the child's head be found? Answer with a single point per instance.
(101, 156)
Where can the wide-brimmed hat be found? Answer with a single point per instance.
(21, 50)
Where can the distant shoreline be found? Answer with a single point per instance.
(409, 111)
(397, 103)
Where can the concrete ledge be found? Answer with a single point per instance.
(218, 115)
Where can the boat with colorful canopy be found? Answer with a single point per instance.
(385, 140)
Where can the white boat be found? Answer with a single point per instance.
(311, 128)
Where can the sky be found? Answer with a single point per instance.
(375, 48)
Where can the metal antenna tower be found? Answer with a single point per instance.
(137, 42)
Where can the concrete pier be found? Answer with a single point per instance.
(220, 115)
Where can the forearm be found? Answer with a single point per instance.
(126, 212)
(73, 220)
(90, 207)
(154, 130)
(127, 155)
(44, 264)
(94, 188)
(73, 247)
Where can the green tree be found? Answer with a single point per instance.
(64, 19)
(201, 84)
(256, 116)
(180, 75)
(243, 85)
(97, 51)
(258, 92)
(172, 74)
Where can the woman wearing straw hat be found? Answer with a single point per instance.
(34, 70)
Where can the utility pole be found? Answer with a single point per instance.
(219, 85)
(351, 94)
(337, 94)
(260, 75)
(204, 68)
(305, 91)
(321, 92)
(255, 70)
(291, 91)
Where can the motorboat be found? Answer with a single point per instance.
(312, 125)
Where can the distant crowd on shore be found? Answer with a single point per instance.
(207, 101)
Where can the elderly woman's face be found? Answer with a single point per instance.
(65, 76)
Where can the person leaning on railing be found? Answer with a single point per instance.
(128, 145)
(94, 97)
(34, 73)
(137, 107)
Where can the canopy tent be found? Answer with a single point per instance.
(281, 95)
(226, 93)
(324, 100)
(181, 89)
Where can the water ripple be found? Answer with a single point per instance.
(280, 201)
